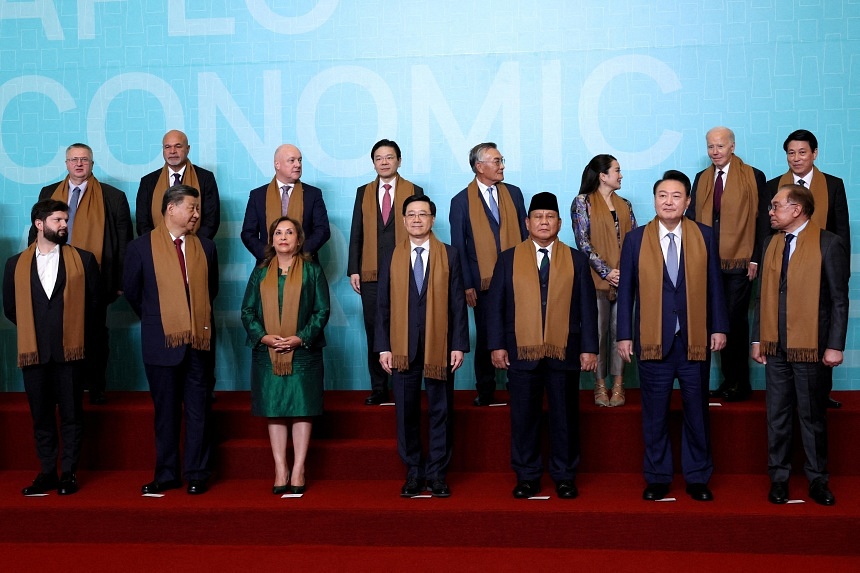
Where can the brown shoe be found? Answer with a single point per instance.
(618, 397)
(601, 396)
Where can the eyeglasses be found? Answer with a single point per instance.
(497, 161)
(775, 206)
(418, 215)
(379, 158)
(79, 160)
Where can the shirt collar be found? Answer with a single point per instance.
(664, 231)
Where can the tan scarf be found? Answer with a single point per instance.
(818, 186)
(604, 238)
(89, 224)
(74, 306)
(485, 243)
(436, 322)
(282, 321)
(534, 340)
(296, 208)
(738, 212)
(184, 320)
(369, 209)
(651, 265)
(163, 184)
(802, 297)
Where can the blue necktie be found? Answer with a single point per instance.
(418, 268)
(672, 268)
(494, 206)
(73, 208)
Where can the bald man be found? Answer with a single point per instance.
(285, 194)
(177, 170)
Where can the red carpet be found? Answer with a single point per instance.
(352, 502)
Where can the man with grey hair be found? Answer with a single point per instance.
(727, 196)
(487, 217)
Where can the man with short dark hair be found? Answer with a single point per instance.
(542, 329)
(171, 280)
(99, 222)
(422, 331)
(801, 321)
(51, 293)
(670, 274)
(831, 204)
(487, 217)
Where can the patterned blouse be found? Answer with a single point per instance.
(580, 214)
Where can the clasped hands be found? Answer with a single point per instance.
(281, 344)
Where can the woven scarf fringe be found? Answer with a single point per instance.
(803, 355)
(768, 347)
(28, 359)
(698, 353)
(370, 276)
(485, 283)
(651, 352)
(435, 372)
(734, 264)
(282, 368)
(201, 343)
(399, 362)
(70, 354)
(177, 339)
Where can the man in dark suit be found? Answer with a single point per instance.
(799, 332)
(831, 204)
(375, 230)
(51, 292)
(100, 217)
(726, 197)
(178, 169)
(486, 218)
(286, 195)
(171, 279)
(422, 330)
(542, 329)
(670, 271)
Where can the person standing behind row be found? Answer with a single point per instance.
(486, 218)
(376, 229)
(601, 219)
(285, 196)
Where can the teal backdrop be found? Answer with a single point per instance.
(552, 82)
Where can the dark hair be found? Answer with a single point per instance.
(269, 253)
(801, 135)
(476, 152)
(385, 143)
(674, 175)
(43, 209)
(802, 196)
(415, 198)
(176, 195)
(591, 174)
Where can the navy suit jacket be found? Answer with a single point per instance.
(458, 322)
(255, 232)
(210, 203)
(141, 291)
(582, 326)
(674, 296)
(463, 239)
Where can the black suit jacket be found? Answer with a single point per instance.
(141, 291)
(833, 298)
(384, 233)
(501, 312)
(118, 233)
(210, 203)
(48, 311)
(458, 322)
(837, 207)
(255, 232)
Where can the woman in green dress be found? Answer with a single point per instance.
(285, 309)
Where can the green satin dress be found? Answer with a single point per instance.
(299, 393)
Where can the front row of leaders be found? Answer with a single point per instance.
(542, 329)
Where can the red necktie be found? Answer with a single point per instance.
(178, 243)
(718, 192)
(386, 204)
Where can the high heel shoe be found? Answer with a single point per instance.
(601, 397)
(297, 489)
(618, 396)
(280, 489)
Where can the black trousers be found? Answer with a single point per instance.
(485, 372)
(734, 358)
(378, 376)
(52, 386)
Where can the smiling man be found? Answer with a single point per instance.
(670, 274)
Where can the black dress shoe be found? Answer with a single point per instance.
(527, 488)
(655, 491)
(483, 401)
(376, 398)
(834, 404)
(737, 395)
(699, 492)
(440, 488)
(820, 493)
(156, 486)
(566, 489)
(68, 484)
(778, 493)
(42, 484)
(720, 391)
(280, 489)
(412, 487)
(98, 398)
(197, 486)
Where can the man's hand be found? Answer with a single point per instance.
(385, 360)
(588, 362)
(471, 297)
(355, 282)
(832, 358)
(625, 350)
(756, 354)
(718, 341)
(752, 271)
(456, 359)
(500, 359)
